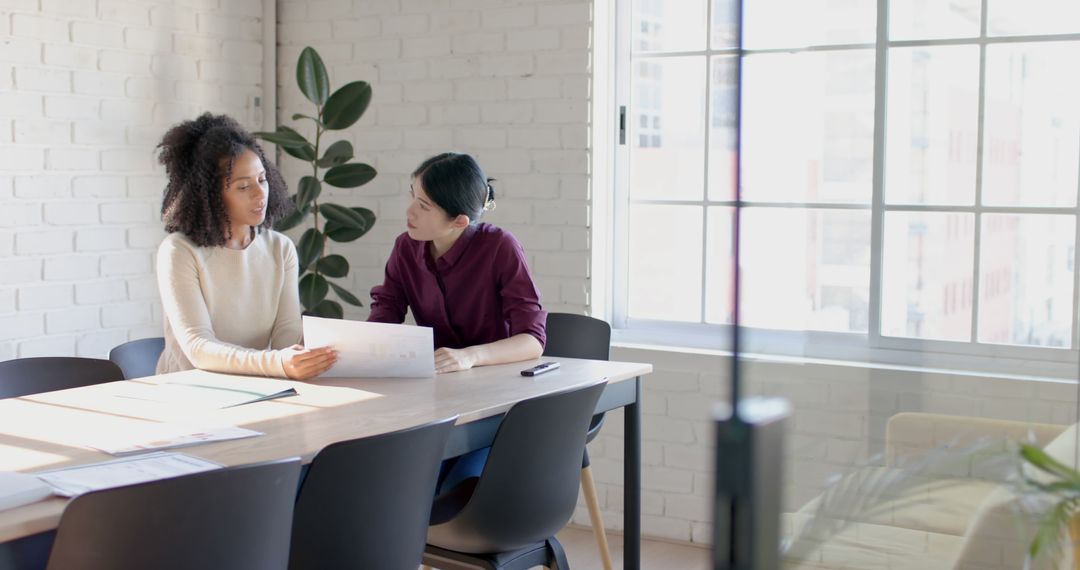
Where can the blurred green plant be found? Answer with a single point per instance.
(333, 112)
(1062, 488)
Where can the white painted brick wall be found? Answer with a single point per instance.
(87, 89)
(499, 79)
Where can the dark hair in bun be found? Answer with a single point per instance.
(456, 184)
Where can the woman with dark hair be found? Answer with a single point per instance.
(465, 279)
(228, 282)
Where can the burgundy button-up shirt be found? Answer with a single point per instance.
(479, 291)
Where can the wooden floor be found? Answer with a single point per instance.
(582, 554)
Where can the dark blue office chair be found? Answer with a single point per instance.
(236, 518)
(138, 358)
(578, 336)
(25, 376)
(508, 516)
(365, 503)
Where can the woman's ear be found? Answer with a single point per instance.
(461, 221)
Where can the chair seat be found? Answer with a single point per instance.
(447, 505)
(537, 554)
(508, 516)
(366, 502)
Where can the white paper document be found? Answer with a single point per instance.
(209, 392)
(117, 473)
(373, 350)
(18, 489)
(165, 436)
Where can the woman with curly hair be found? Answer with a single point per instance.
(228, 282)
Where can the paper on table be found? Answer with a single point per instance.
(119, 472)
(373, 350)
(166, 436)
(18, 489)
(210, 392)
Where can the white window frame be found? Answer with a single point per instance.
(611, 64)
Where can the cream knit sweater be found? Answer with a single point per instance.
(228, 310)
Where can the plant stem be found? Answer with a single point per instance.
(315, 174)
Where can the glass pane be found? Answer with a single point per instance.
(1026, 279)
(718, 260)
(667, 135)
(725, 24)
(932, 128)
(798, 23)
(722, 133)
(1013, 17)
(665, 262)
(662, 25)
(1032, 124)
(927, 268)
(813, 275)
(934, 19)
(808, 127)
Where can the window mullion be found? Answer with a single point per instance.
(979, 136)
(1075, 342)
(877, 200)
(620, 264)
(705, 178)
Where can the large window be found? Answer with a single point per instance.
(909, 176)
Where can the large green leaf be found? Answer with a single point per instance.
(342, 233)
(298, 116)
(311, 76)
(333, 266)
(342, 215)
(337, 153)
(346, 105)
(309, 247)
(345, 295)
(291, 220)
(328, 309)
(309, 191)
(305, 152)
(284, 137)
(1042, 460)
(313, 289)
(349, 175)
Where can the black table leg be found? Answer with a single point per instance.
(632, 481)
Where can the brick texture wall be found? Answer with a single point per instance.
(504, 80)
(87, 88)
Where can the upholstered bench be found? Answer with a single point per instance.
(948, 519)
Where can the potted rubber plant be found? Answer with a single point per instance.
(331, 164)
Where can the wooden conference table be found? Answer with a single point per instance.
(52, 430)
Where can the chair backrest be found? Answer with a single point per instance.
(138, 358)
(24, 376)
(236, 518)
(577, 336)
(529, 486)
(366, 503)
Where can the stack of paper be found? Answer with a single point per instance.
(165, 436)
(139, 469)
(217, 393)
(18, 489)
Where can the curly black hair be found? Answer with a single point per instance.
(194, 154)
